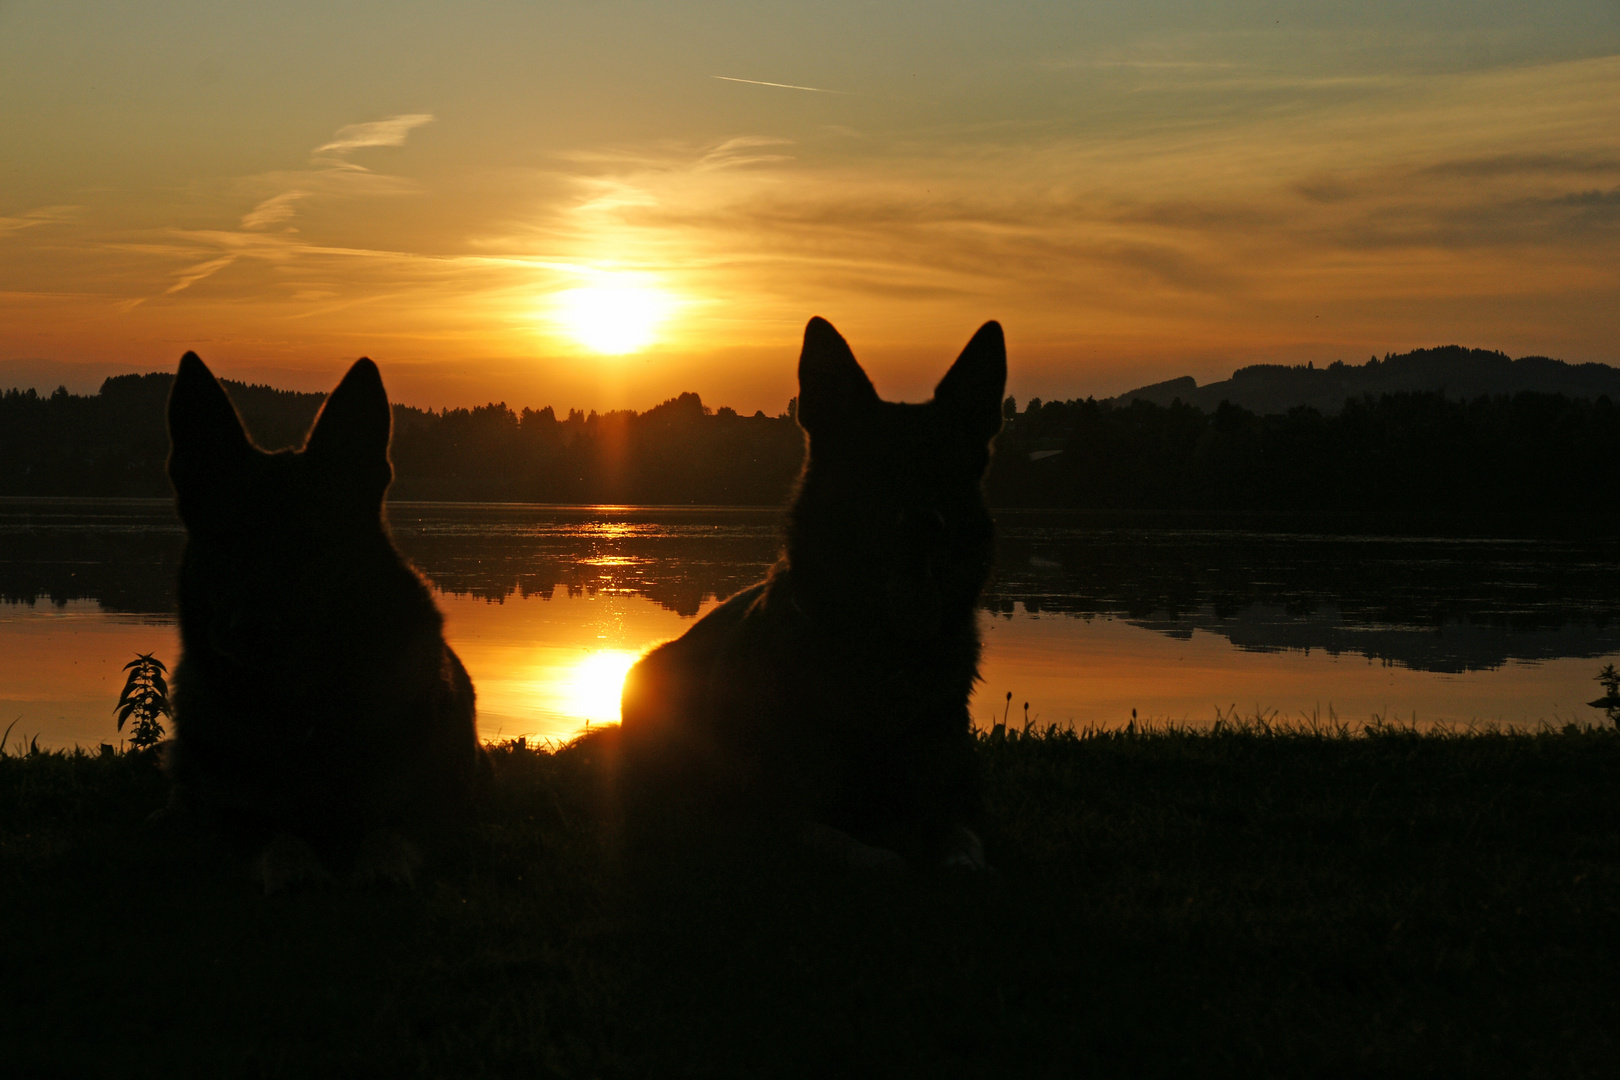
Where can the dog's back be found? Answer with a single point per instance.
(835, 692)
(315, 695)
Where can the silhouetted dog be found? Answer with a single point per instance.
(832, 697)
(319, 715)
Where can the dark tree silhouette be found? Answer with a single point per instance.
(1530, 452)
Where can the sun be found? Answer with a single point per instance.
(613, 316)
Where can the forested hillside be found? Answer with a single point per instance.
(1452, 370)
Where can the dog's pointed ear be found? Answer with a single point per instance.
(974, 386)
(351, 431)
(831, 384)
(206, 437)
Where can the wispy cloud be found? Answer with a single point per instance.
(389, 132)
(781, 86)
(193, 274)
(45, 215)
(744, 150)
(274, 209)
(213, 250)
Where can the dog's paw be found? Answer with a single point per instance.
(287, 863)
(386, 858)
(843, 849)
(964, 852)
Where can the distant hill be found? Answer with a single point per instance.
(1272, 389)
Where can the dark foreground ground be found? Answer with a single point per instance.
(1167, 905)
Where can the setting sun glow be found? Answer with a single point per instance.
(612, 317)
(593, 688)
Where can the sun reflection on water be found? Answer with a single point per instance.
(592, 688)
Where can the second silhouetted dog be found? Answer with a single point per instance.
(832, 697)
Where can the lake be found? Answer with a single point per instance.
(1085, 619)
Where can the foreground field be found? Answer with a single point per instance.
(1170, 904)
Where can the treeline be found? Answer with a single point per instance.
(115, 442)
(1402, 452)
(679, 452)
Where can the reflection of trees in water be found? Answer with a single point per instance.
(675, 557)
(1436, 605)
(123, 556)
(495, 575)
(1462, 645)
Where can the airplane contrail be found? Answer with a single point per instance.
(781, 85)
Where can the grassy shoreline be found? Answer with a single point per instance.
(1250, 902)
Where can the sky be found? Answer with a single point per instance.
(604, 204)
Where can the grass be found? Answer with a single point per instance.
(1254, 901)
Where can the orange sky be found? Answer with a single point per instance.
(483, 196)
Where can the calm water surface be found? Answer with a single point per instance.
(548, 606)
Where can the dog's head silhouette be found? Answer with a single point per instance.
(890, 506)
(279, 544)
